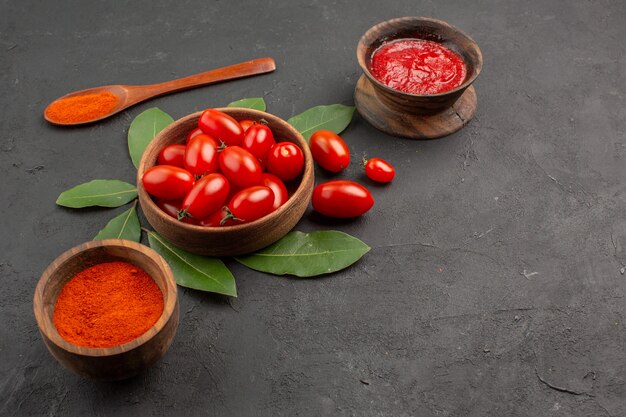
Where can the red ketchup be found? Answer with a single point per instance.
(418, 66)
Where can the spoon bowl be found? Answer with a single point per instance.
(120, 91)
(129, 95)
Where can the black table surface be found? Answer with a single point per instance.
(494, 286)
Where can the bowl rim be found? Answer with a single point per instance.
(225, 231)
(361, 58)
(46, 324)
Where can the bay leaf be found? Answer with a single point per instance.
(103, 193)
(333, 117)
(256, 103)
(143, 129)
(124, 226)
(307, 254)
(194, 271)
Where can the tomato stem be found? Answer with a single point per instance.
(222, 146)
(229, 216)
(183, 213)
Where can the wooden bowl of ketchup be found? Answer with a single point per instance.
(417, 77)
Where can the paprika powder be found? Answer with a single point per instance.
(81, 108)
(107, 305)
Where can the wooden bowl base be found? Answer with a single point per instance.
(410, 125)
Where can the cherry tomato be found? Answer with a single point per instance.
(221, 127)
(379, 170)
(215, 219)
(233, 190)
(250, 204)
(167, 181)
(201, 155)
(245, 124)
(171, 208)
(329, 150)
(206, 196)
(278, 187)
(263, 164)
(285, 160)
(258, 140)
(342, 199)
(172, 155)
(193, 134)
(240, 167)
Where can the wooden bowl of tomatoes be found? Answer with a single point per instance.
(201, 190)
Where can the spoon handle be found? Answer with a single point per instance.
(244, 69)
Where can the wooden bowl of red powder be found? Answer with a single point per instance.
(417, 77)
(107, 309)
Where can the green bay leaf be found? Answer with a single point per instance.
(143, 129)
(334, 117)
(124, 226)
(103, 193)
(256, 103)
(194, 271)
(307, 254)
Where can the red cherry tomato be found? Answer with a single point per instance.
(250, 204)
(342, 199)
(167, 181)
(172, 155)
(171, 208)
(258, 140)
(278, 188)
(201, 155)
(233, 190)
(193, 134)
(215, 219)
(379, 170)
(245, 124)
(206, 196)
(241, 168)
(285, 160)
(263, 164)
(329, 150)
(221, 127)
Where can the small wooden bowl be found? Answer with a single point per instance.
(417, 116)
(119, 362)
(231, 240)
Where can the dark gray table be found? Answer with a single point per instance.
(493, 287)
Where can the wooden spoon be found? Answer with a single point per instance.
(130, 95)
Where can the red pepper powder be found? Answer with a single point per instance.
(107, 305)
(81, 108)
